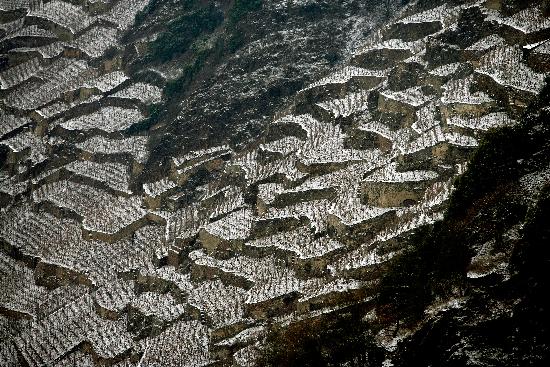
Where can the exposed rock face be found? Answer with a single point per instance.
(282, 169)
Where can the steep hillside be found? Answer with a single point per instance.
(469, 290)
(239, 64)
(484, 268)
(202, 183)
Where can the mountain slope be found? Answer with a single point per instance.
(470, 289)
(197, 183)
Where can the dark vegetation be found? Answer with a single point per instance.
(187, 38)
(501, 156)
(198, 19)
(155, 5)
(323, 342)
(183, 31)
(439, 261)
(486, 204)
(149, 9)
(175, 88)
(518, 337)
(154, 113)
(240, 9)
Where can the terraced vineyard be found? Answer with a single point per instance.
(99, 268)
